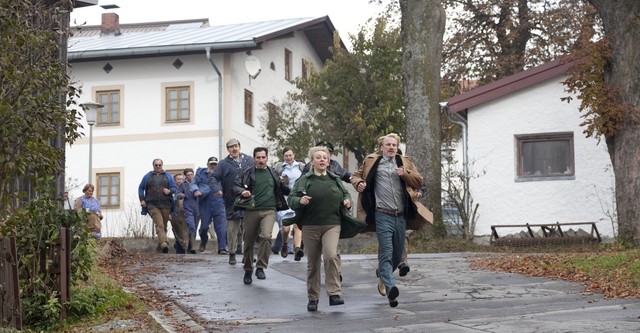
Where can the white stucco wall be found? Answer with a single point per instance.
(492, 147)
(143, 136)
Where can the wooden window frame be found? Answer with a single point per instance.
(287, 65)
(522, 139)
(248, 107)
(107, 198)
(167, 110)
(305, 69)
(103, 97)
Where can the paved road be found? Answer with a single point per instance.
(440, 294)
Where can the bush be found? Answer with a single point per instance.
(36, 229)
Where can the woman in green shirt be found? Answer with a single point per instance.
(317, 197)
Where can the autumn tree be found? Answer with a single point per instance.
(491, 39)
(286, 122)
(34, 91)
(610, 92)
(356, 98)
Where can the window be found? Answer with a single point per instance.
(272, 118)
(108, 188)
(305, 69)
(177, 105)
(110, 113)
(248, 107)
(545, 156)
(287, 65)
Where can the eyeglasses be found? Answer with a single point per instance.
(157, 165)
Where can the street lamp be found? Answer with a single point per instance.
(91, 115)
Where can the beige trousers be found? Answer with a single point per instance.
(321, 241)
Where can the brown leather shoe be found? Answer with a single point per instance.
(284, 252)
(381, 288)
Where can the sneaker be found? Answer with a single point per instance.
(260, 274)
(404, 269)
(393, 296)
(312, 306)
(164, 247)
(284, 252)
(223, 251)
(381, 289)
(299, 254)
(232, 259)
(247, 277)
(335, 300)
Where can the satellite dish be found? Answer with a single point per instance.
(252, 65)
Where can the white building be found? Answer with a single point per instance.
(540, 167)
(178, 91)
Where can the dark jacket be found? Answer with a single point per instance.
(246, 180)
(349, 224)
(225, 174)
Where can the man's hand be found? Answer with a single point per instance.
(197, 194)
(246, 194)
(361, 186)
(218, 194)
(346, 203)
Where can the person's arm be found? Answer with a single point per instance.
(77, 204)
(357, 177)
(411, 176)
(293, 200)
(336, 168)
(142, 187)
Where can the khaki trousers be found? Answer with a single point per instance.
(160, 217)
(321, 241)
(258, 221)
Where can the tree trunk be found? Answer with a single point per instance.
(423, 23)
(622, 28)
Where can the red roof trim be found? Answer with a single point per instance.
(508, 85)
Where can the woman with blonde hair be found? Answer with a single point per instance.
(91, 205)
(317, 197)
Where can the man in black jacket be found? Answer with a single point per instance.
(268, 192)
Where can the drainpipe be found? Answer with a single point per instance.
(460, 121)
(208, 51)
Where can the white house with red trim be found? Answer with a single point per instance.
(540, 168)
(178, 91)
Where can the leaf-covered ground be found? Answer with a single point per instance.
(613, 273)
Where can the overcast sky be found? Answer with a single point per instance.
(346, 15)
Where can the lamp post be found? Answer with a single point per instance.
(91, 115)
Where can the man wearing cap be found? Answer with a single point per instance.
(268, 191)
(211, 207)
(225, 174)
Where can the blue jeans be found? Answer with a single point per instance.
(390, 231)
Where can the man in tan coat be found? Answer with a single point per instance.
(388, 184)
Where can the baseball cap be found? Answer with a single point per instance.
(232, 142)
(325, 144)
(212, 160)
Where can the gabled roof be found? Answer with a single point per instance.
(194, 36)
(509, 85)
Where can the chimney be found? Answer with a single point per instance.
(110, 24)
